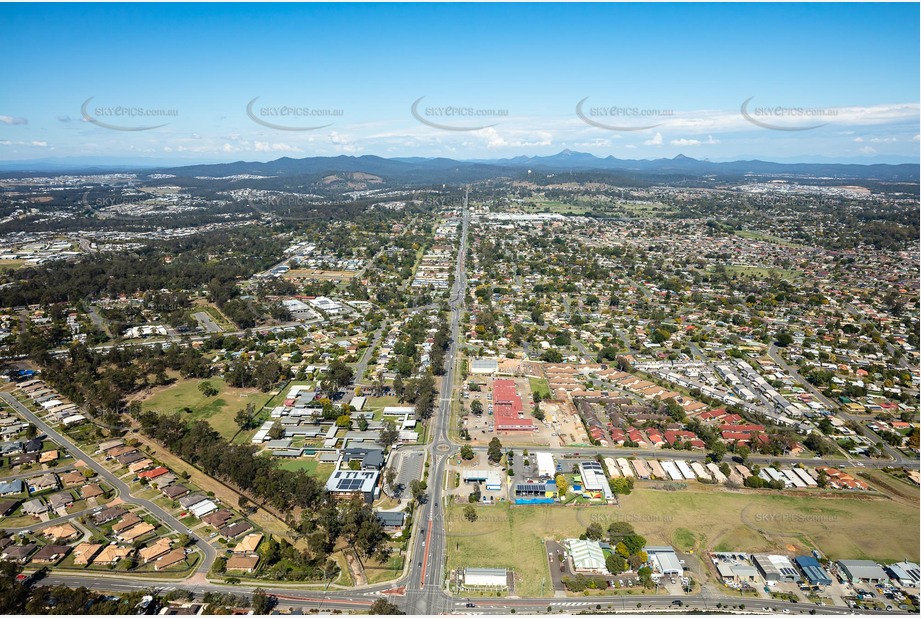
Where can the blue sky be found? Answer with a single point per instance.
(681, 70)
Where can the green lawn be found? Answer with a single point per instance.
(219, 410)
(763, 273)
(11, 264)
(766, 237)
(540, 385)
(381, 402)
(841, 527)
(311, 466)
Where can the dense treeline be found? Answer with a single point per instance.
(216, 260)
(322, 519)
(200, 445)
(23, 598)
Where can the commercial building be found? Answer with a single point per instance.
(587, 556)
(485, 578)
(863, 570)
(484, 366)
(347, 484)
(664, 560)
(776, 568)
(594, 480)
(490, 479)
(908, 574)
(546, 468)
(508, 409)
(813, 571)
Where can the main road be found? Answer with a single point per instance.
(420, 591)
(424, 593)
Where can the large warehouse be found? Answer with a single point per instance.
(776, 568)
(863, 570)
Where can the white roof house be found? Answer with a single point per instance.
(203, 508)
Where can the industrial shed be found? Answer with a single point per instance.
(863, 570)
(776, 568)
(812, 569)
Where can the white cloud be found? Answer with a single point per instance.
(867, 150)
(655, 140)
(276, 147)
(685, 142)
(13, 120)
(35, 143)
(514, 139)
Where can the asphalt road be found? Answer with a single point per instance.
(207, 322)
(423, 583)
(861, 428)
(123, 490)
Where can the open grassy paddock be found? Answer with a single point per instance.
(698, 520)
(766, 238)
(218, 410)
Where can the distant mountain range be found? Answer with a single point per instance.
(448, 170)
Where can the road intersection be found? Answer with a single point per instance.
(420, 590)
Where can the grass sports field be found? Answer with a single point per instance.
(219, 410)
(845, 527)
(311, 466)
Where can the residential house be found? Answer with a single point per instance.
(43, 482)
(11, 488)
(34, 507)
(169, 559)
(61, 500)
(174, 492)
(19, 553)
(136, 532)
(126, 522)
(63, 532)
(93, 490)
(159, 548)
(51, 554)
(218, 518)
(249, 544)
(236, 529)
(112, 554)
(85, 552)
(110, 514)
(246, 564)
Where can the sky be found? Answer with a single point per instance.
(227, 82)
